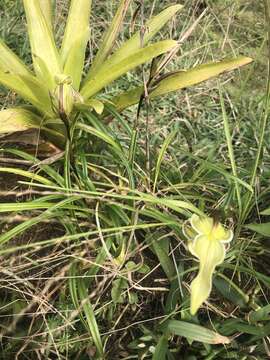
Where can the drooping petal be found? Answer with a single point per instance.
(210, 253)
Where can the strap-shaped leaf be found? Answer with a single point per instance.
(135, 42)
(75, 40)
(107, 74)
(110, 36)
(196, 332)
(18, 119)
(29, 88)
(90, 104)
(10, 62)
(179, 80)
(44, 51)
(46, 8)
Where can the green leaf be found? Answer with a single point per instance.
(196, 332)
(161, 349)
(44, 51)
(266, 212)
(230, 291)
(100, 134)
(160, 248)
(179, 80)
(197, 75)
(10, 62)
(18, 119)
(262, 314)
(90, 315)
(109, 37)
(75, 40)
(18, 207)
(161, 156)
(117, 288)
(109, 73)
(263, 229)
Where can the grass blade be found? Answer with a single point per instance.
(230, 150)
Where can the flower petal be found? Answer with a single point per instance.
(210, 253)
(203, 225)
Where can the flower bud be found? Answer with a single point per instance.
(63, 96)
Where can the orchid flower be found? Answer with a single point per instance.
(207, 239)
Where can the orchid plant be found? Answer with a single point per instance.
(207, 241)
(58, 88)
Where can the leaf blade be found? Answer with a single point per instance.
(46, 8)
(196, 332)
(262, 229)
(18, 119)
(9, 61)
(179, 80)
(107, 74)
(44, 51)
(74, 43)
(152, 26)
(110, 36)
(28, 88)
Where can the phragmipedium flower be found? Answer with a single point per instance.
(207, 239)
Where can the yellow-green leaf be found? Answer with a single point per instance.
(108, 74)
(18, 119)
(179, 80)
(29, 88)
(197, 75)
(75, 40)
(135, 43)
(152, 27)
(21, 119)
(109, 37)
(95, 104)
(46, 8)
(10, 62)
(44, 51)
